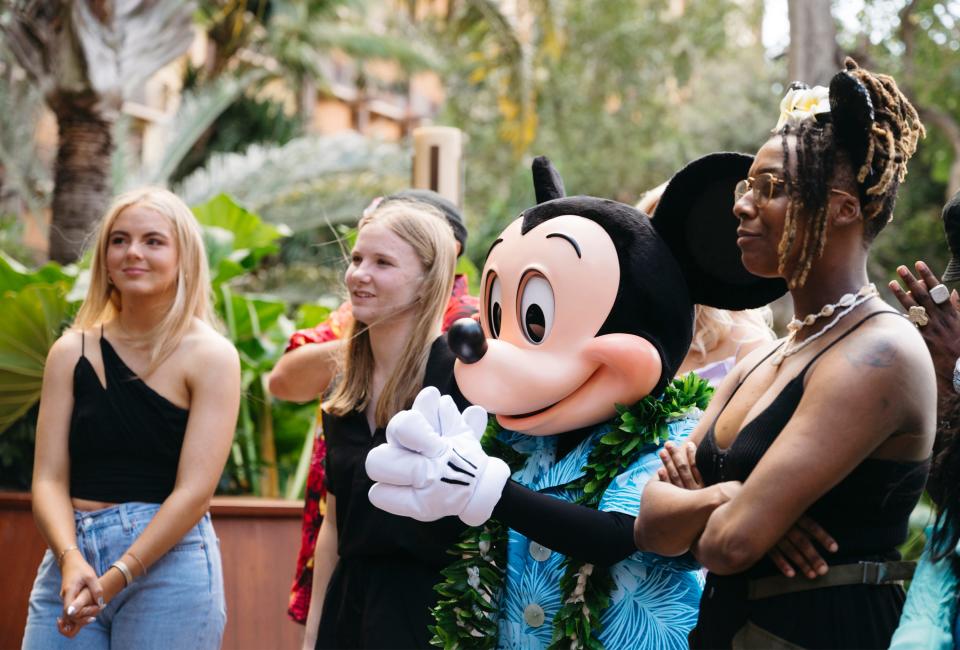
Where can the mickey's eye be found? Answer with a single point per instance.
(494, 305)
(536, 308)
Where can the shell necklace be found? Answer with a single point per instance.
(847, 303)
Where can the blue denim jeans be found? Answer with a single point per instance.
(178, 604)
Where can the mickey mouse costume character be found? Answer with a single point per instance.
(586, 305)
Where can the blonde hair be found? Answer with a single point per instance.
(192, 300)
(426, 230)
(712, 326)
(650, 199)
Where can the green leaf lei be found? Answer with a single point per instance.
(467, 610)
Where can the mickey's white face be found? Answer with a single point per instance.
(546, 294)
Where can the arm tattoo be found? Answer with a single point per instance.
(881, 354)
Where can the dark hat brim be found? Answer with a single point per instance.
(695, 217)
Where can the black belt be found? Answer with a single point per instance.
(860, 573)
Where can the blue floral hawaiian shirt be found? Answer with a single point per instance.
(655, 599)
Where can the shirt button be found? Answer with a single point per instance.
(539, 552)
(533, 615)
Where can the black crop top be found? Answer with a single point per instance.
(125, 438)
(867, 512)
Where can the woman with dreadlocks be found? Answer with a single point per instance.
(834, 424)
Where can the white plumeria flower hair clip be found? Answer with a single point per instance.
(802, 103)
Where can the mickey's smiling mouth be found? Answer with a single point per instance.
(524, 416)
(521, 416)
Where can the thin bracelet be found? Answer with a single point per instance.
(139, 561)
(122, 567)
(64, 552)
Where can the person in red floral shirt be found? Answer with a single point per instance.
(309, 364)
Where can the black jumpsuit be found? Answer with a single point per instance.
(381, 590)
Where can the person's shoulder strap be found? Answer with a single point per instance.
(82, 343)
(854, 327)
(765, 357)
(750, 372)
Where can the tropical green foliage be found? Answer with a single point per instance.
(33, 316)
(35, 309)
(309, 182)
(625, 93)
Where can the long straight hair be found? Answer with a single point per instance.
(431, 237)
(192, 299)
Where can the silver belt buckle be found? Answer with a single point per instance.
(874, 573)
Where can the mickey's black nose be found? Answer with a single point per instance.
(465, 338)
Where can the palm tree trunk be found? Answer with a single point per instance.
(82, 177)
(813, 57)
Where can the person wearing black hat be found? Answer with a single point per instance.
(834, 424)
(308, 366)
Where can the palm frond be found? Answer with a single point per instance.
(126, 43)
(362, 43)
(198, 110)
(307, 182)
(26, 32)
(26, 181)
(506, 54)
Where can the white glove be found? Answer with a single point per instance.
(433, 466)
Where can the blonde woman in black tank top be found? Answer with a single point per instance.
(835, 423)
(137, 413)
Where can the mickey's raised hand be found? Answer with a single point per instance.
(432, 465)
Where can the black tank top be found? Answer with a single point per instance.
(867, 512)
(125, 438)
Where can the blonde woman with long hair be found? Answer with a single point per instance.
(137, 413)
(374, 572)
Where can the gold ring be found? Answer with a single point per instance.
(918, 316)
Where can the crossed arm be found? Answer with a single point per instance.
(878, 384)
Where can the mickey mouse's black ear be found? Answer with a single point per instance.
(546, 180)
(695, 218)
(851, 111)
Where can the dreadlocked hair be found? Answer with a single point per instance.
(892, 140)
(816, 152)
